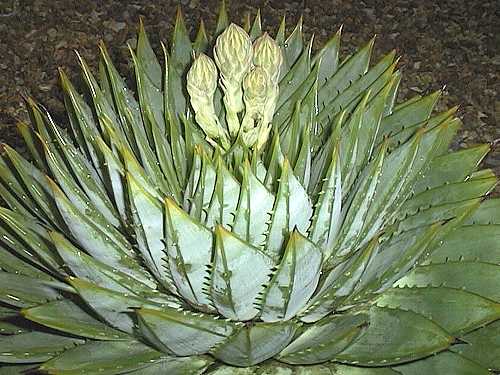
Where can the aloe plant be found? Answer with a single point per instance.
(255, 208)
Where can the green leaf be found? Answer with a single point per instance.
(476, 277)
(443, 363)
(457, 311)
(86, 267)
(327, 210)
(183, 332)
(22, 291)
(349, 139)
(150, 223)
(448, 193)
(339, 284)
(395, 139)
(204, 181)
(439, 213)
(280, 36)
(12, 192)
(292, 210)
(370, 126)
(115, 307)
(487, 213)
(482, 346)
(97, 357)
(294, 282)
(12, 263)
(297, 74)
(293, 46)
(82, 172)
(396, 258)
(17, 369)
(109, 247)
(354, 221)
(409, 115)
(189, 250)
(378, 75)
(451, 167)
(67, 316)
(470, 243)
(321, 341)
(166, 162)
(256, 29)
(81, 120)
(277, 368)
(148, 57)
(225, 198)
(328, 58)
(150, 98)
(32, 144)
(14, 325)
(79, 197)
(254, 344)
(35, 189)
(102, 107)
(222, 19)
(234, 288)
(254, 209)
(201, 43)
(33, 347)
(298, 88)
(27, 239)
(351, 70)
(126, 107)
(180, 57)
(410, 337)
(176, 366)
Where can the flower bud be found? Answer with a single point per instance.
(255, 85)
(233, 53)
(202, 77)
(201, 86)
(255, 91)
(267, 54)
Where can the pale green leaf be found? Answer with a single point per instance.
(189, 250)
(410, 337)
(69, 317)
(455, 310)
(235, 286)
(34, 347)
(476, 277)
(295, 280)
(183, 332)
(322, 341)
(254, 344)
(98, 357)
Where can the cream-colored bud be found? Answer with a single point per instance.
(233, 52)
(202, 77)
(255, 90)
(267, 54)
(233, 56)
(255, 85)
(201, 86)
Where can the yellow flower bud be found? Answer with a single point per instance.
(201, 86)
(233, 53)
(267, 54)
(202, 77)
(255, 85)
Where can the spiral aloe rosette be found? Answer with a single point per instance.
(350, 241)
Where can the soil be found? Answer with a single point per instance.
(449, 43)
